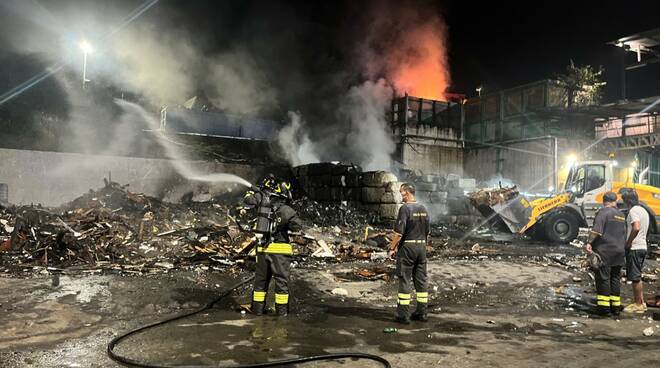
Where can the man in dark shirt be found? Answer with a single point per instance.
(274, 251)
(411, 233)
(607, 239)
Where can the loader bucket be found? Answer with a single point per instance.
(505, 209)
(514, 213)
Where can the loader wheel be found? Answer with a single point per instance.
(561, 227)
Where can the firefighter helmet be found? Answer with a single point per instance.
(283, 190)
(269, 183)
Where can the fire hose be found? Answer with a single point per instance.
(131, 362)
(135, 363)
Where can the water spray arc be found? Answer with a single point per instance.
(174, 154)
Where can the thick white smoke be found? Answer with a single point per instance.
(360, 133)
(368, 136)
(159, 65)
(169, 67)
(236, 84)
(294, 141)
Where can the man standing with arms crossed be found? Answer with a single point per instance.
(607, 239)
(638, 226)
(411, 233)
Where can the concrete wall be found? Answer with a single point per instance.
(434, 159)
(54, 178)
(431, 149)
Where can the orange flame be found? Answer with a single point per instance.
(409, 49)
(420, 68)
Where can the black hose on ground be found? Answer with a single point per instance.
(131, 362)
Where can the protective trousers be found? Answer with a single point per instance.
(272, 262)
(411, 270)
(608, 289)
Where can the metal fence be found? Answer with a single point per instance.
(630, 126)
(441, 114)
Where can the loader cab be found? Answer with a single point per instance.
(586, 180)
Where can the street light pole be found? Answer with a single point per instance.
(84, 76)
(86, 49)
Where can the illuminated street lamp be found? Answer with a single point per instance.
(86, 49)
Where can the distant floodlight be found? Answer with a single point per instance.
(571, 160)
(86, 47)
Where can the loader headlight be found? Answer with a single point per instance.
(656, 195)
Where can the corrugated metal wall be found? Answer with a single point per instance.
(528, 164)
(190, 121)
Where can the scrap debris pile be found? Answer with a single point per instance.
(115, 229)
(491, 197)
(330, 213)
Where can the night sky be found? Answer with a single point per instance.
(506, 43)
(497, 44)
(307, 48)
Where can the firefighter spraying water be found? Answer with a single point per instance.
(273, 220)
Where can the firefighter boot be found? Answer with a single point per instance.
(258, 308)
(420, 314)
(615, 305)
(282, 310)
(402, 314)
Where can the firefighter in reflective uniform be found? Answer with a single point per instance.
(607, 238)
(274, 252)
(411, 233)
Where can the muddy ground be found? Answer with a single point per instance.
(507, 305)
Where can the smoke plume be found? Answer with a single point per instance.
(294, 142)
(401, 51)
(338, 72)
(368, 135)
(158, 65)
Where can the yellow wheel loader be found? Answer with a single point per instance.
(558, 218)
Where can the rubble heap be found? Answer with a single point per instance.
(113, 228)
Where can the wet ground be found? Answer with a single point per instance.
(506, 305)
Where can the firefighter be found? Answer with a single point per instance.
(411, 233)
(274, 252)
(607, 239)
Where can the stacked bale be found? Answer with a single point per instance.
(458, 204)
(431, 191)
(380, 194)
(330, 181)
(378, 191)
